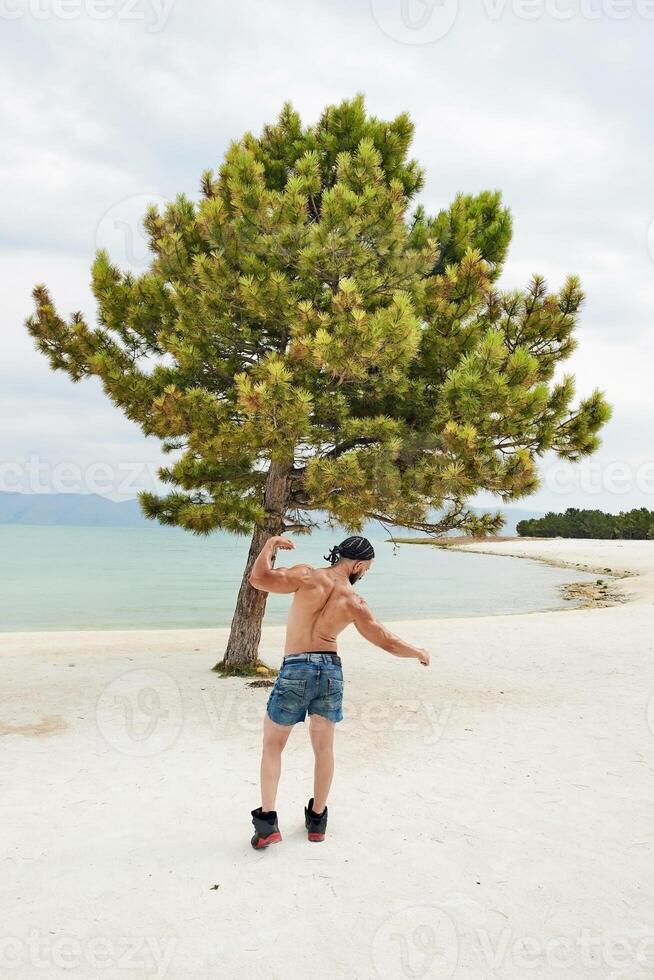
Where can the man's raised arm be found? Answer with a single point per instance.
(375, 632)
(268, 579)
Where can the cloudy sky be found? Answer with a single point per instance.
(108, 104)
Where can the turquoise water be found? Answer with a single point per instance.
(58, 578)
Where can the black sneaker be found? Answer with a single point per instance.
(316, 823)
(266, 830)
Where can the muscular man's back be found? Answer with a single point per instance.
(322, 607)
(324, 603)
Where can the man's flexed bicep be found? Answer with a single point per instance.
(266, 578)
(375, 632)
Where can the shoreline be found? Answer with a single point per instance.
(595, 595)
(629, 563)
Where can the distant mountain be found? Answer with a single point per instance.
(70, 509)
(92, 510)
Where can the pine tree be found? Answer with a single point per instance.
(303, 341)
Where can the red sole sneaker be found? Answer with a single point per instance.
(316, 837)
(265, 841)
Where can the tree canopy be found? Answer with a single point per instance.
(306, 313)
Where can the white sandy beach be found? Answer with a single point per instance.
(491, 817)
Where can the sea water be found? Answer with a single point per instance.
(71, 578)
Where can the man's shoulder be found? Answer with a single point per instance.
(309, 575)
(358, 604)
(318, 573)
(305, 572)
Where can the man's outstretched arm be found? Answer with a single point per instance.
(268, 579)
(375, 632)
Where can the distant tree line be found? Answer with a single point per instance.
(637, 524)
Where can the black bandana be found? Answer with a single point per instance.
(355, 547)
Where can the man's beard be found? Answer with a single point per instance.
(354, 577)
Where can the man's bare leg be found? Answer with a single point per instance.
(322, 739)
(275, 738)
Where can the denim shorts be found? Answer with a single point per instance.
(307, 682)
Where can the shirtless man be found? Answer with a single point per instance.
(311, 678)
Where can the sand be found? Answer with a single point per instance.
(490, 817)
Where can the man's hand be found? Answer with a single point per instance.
(424, 656)
(277, 541)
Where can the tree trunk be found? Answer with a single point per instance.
(243, 644)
